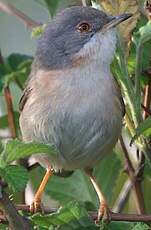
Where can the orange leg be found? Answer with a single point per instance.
(103, 211)
(35, 206)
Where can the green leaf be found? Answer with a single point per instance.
(16, 67)
(143, 128)
(145, 32)
(79, 187)
(16, 177)
(119, 226)
(1, 147)
(103, 171)
(16, 149)
(76, 187)
(51, 5)
(141, 226)
(72, 216)
(17, 61)
(4, 120)
(37, 31)
(3, 226)
(126, 225)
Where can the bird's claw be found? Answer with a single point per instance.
(103, 213)
(35, 206)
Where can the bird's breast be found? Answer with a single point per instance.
(81, 114)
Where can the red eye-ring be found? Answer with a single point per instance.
(84, 27)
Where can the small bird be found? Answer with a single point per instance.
(71, 99)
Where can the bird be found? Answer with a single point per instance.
(71, 100)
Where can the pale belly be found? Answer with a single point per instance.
(80, 131)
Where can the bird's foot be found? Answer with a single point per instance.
(35, 206)
(103, 213)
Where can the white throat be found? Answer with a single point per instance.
(100, 48)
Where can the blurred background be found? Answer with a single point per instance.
(16, 38)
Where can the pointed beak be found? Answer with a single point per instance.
(115, 20)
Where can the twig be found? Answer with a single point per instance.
(147, 94)
(11, 120)
(93, 215)
(147, 99)
(127, 217)
(147, 112)
(10, 9)
(16, 221)
(8, 99)
(122, 197)
(134, 178)
(114, 216)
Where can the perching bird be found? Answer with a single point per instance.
(71, 99)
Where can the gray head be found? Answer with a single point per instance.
(67, 35)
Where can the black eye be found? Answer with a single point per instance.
(84, 27)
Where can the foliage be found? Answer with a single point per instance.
(130, 67)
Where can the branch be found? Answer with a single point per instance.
(10, 9)
(11, 119)
(16, 221)
(122, 197)
(134, 176)
(93, 215)
(147, 94)
(147, 112)
(8, 99)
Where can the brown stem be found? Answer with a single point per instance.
(8, 99)
(16, 222)
(147, 100)
(93, 215)
(147, 111)
(11, 120)
(10, 9)
(134, 178)
(114, 216)
(122, 197)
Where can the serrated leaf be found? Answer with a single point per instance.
(16, 149)
(116, 7)
(72, 216)
(16, 177)
(140, 226)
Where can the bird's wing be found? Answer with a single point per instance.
(24, 97)
(122, 105)
(120, 97)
